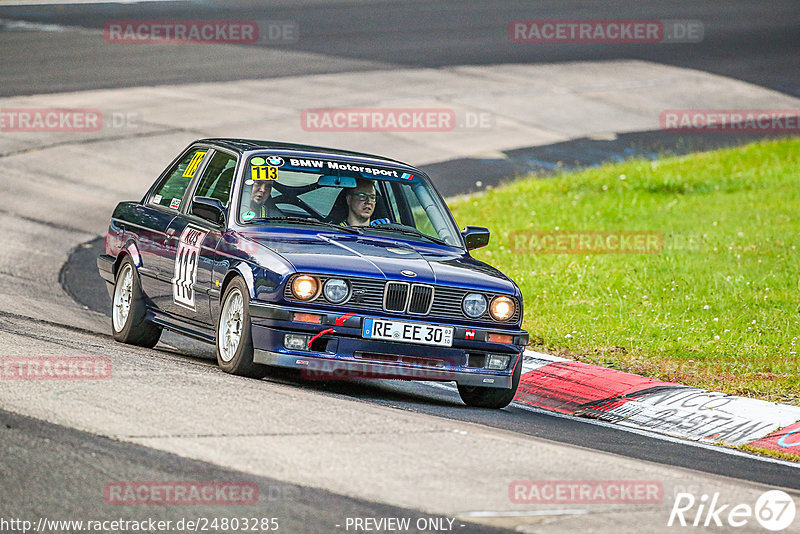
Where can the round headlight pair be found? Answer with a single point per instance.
(305, 287)
(336, 290)
(501, 308)
(474, 305)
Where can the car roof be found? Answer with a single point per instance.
(245, 145)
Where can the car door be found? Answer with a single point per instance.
(192, 242)
(161, 206)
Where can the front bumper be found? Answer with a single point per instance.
(328, 368)
(338, 350)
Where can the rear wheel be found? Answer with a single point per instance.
(234, 333)
(128, 323)
(483, 397)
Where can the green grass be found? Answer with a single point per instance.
(716, 307)
(769, 452)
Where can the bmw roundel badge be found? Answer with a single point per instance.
(406, 272)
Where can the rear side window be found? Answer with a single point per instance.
(217, 178)
(170, 191)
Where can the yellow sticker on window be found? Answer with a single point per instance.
(192, 168)
(263, 172)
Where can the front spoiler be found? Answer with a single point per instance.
(332, 369)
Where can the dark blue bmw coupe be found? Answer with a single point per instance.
(340, 264)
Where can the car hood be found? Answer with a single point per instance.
(382, 258)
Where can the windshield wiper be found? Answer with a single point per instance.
(310, 220)
(408, 231)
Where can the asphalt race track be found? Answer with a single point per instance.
(324, 453)
(742, 40)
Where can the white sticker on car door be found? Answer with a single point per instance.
(186, 261)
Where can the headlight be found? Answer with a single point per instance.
(474, 305)
(502, 308)
(336, 290)
(305, 287)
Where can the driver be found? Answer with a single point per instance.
(361, 205)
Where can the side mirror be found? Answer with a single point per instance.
(475, 236)
(210, 209)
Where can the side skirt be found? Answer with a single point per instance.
(193, 330)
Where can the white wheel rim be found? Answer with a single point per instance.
(230, 325)
(123, 293)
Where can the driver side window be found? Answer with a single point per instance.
(218, 178)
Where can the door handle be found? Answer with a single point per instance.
(170, 233)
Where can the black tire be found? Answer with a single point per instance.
(131, 328)
(239, 361)
(483, 397)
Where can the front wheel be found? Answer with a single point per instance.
(234, 333)
(128, 323)
(483, 397)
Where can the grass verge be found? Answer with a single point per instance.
(769, 452)
(706, 290)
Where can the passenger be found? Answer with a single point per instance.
(261, 202)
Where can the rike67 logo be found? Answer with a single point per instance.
(774, 510)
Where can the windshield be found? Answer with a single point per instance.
(375, 200)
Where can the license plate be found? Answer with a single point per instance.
(423, 334)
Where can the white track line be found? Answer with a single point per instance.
(647, 433)
(4, 3)
(640, 432)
